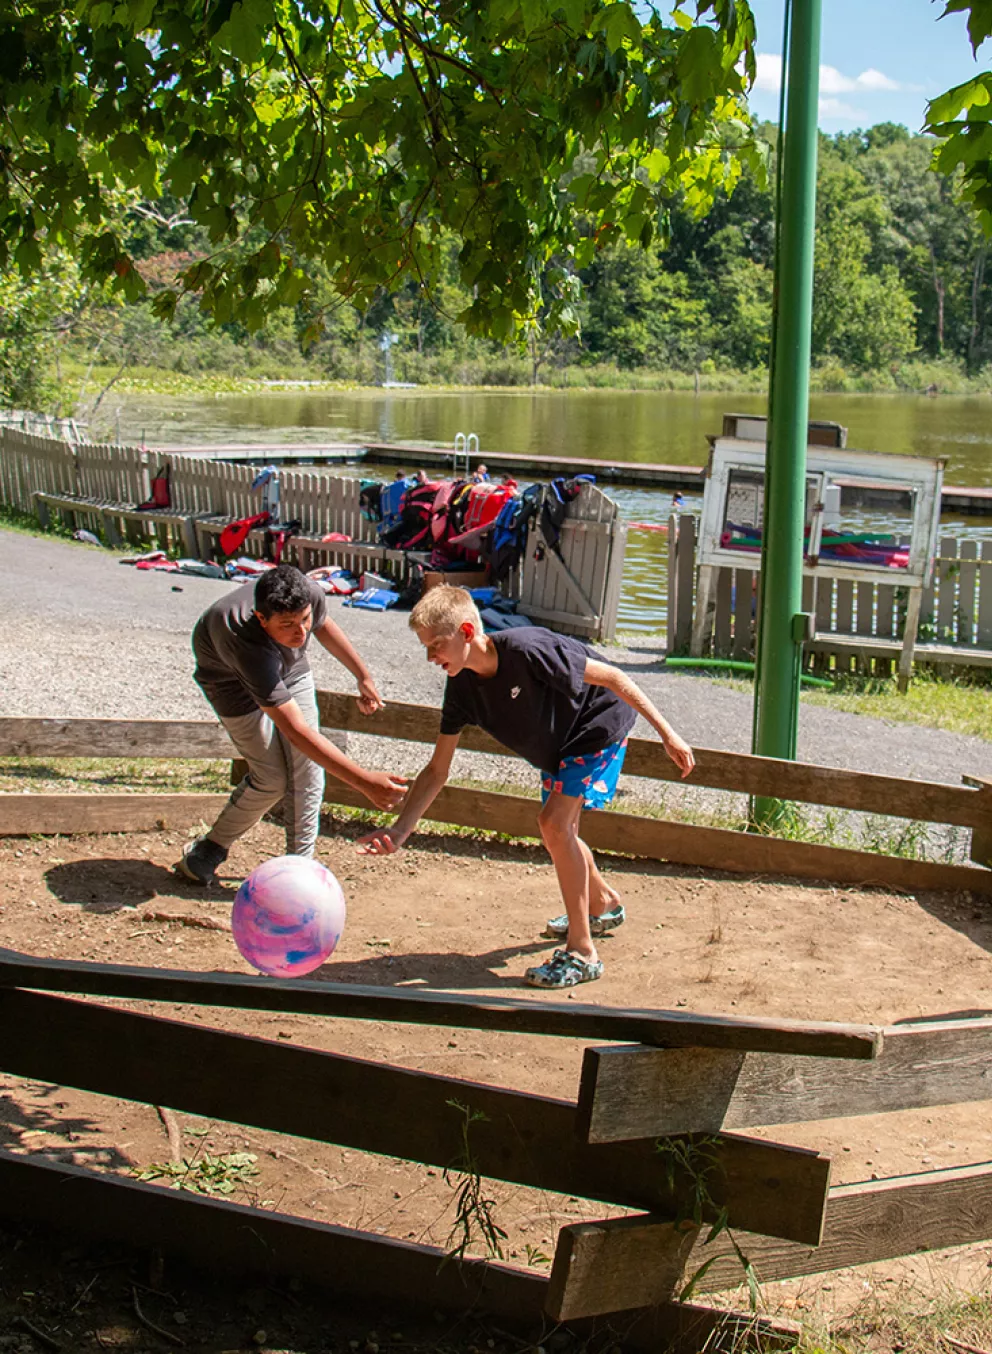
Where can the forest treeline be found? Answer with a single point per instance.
(902, 297)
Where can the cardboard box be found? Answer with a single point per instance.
(373, 580)
(457, 578)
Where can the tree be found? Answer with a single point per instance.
(357, 132)
(962, 119)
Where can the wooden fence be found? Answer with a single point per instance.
(857, 624)
(666, 1075)
(968, 806)
(576, 589)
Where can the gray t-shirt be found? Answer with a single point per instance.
(237, 665)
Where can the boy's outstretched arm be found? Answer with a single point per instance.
(331, 637)
(383, 789)
(604, 674)
(421, 795)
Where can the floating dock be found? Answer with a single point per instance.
(959, 499)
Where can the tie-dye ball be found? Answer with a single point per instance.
(288, 916)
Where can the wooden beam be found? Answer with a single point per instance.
(57, 814)
(229, 1237)
(686, 844)
(187, 738)
(629, 1092)
(352, 1001)
(930, 801)
(373, 1107)
(647, 1260)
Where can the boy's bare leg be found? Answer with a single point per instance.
(601, 896)
(559, 824)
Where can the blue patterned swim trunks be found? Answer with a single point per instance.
(592, 778)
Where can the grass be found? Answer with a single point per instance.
(957, 705)
(952, 1323)
(954, 704)
(110, 775)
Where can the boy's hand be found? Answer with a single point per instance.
(681, 753)
(384, 790)
(369, 699)
(384, 841)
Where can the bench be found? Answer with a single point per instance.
(110, 514)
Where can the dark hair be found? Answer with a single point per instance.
(283, 588)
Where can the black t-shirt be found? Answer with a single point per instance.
(537, 702)
(238, 666)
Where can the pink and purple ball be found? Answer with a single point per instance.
(288, 916)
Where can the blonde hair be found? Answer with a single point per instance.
(444, 609)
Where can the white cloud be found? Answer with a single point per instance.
(844, 112)
(832, 81)
(872, 79)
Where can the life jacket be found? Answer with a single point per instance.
(235, 534)
(508, 537)
(391, 503)
(413, 531)
(447, 521)
(557, 497)
(485, 503)
(161, 497)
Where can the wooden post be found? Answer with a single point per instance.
(981, 837)
(909, 638)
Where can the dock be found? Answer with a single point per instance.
(955, 499)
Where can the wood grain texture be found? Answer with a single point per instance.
(228, 1237)
(534, 1015)
(628, 1092)
(783, 779)
(191, 738)
(687, 844)
(646, 1260)
(373, 1107)
(55, 814)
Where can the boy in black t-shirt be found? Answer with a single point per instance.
(566, 712)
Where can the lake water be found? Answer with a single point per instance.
(646, 426)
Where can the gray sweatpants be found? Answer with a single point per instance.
(278, 773)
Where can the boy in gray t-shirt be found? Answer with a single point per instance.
(252, 666)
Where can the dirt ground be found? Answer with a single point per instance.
(462, 914)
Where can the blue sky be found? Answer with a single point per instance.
(881, 60)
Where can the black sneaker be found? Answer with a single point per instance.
(200, 859)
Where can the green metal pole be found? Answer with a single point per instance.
(781, 626)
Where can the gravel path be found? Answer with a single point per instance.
(88, 636)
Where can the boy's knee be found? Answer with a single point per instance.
(269, 780)
(556, 827)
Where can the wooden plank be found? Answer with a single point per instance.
(946, 574)
(57, 814)
(776, 777)
(228, 1237)
(845, 606)
(685, 844)
(866, 603)
(743, 613)
(29, 737)
(648, 1260)
(683, 583)
(373, 1107)
(967, 588)
(886, 598)
(521, 1015)
(721, 618)
(984, 635)
(924, 652)
(628, 1092)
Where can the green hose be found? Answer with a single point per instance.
(735, 665)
